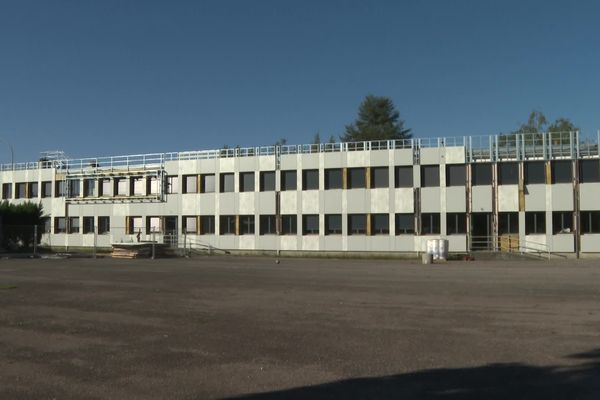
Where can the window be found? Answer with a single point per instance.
(172, 184)
(455, 175)
(103, 225)
(562, 222)
(73, 224)
(227, 183)
(403, 177)
(310, 179)
(333, 224)
(289, 225)
(103, 187)
(190, 183)
(153, 225)
(356, 178)
(430, 224)
(333, 178)
(589, 171)
(535, 223)
(227, 224)
(481, 174)
(456, 223)
(89, 186)
(310, 224)
(508, 173)
(380, 177)
(47, 189)
(120, 187)
(246, 181)
(60, 188)
(60, 225)
(562, 171)
(207, 183)
(190, 224)
(267, 181)
(88, 225)
(74, 188)
(32, 190)
(20, 190)
(380, 224)
(207, 225)
(246, 224)
(152, 185)
(590, 222)
(357, 224)
(268, 225)
(405, 224)
(288, 180)
(535, 172)
(508, 223)
(7, 190)
(134, 225)
(137, 187)
(430, 175)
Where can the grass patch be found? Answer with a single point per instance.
(7, 287)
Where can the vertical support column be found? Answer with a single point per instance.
(577, 210)
(469, 194)
(344, 178)
(495, 216)
(369, 232)
(237, 225)
(368, 177)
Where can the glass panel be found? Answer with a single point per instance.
(430, 175)
(379, 177)
(267, 181)
(333, 178)
(356, 178)
(310, 179)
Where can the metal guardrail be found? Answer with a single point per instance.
(522, 146)
(509, 244)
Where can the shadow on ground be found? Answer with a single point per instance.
(494, 381)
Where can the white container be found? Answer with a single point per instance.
(433, 248)
(443, 249)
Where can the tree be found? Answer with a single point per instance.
(561, 129)
(331, 139)
(536, 123)
(316, 138)
(377, 119)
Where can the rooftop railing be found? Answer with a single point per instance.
(522, 146)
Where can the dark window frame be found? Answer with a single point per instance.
(535, 223)
(430, 176)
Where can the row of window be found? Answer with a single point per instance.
(357, 224)
(334, 178)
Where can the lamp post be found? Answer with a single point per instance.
(12, 152)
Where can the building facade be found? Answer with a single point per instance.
(529, 192)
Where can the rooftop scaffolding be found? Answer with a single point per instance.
(504, 147)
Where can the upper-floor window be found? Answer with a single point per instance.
(455, 175)
(380, 177)
(207, 183)
(508, 173)
(190, 184)
(310, 179)
(267, 181)
(120, 187)
(89, 186)
(589, 171)
(246, 181)
(74, 188)
(430, 175)
(20, 190)
(535, 172)
(562, 171)
(172, 184)
(356, 178)
(60, 189)
(32, 190)
(227, 182)
(333, 178)
(103, 225)
(137, 186)
(481, 174)
(7, 191)
(403, 176)
(47, 189)
(288, 180)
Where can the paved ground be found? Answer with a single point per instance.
(304, 329)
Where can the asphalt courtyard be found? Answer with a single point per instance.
(246, 327)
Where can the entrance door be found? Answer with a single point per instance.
(481, 231)
(171, 231)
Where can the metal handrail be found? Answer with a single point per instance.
(509, 243)
(521, 146)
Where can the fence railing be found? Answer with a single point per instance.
(509, 244)
(520, 146)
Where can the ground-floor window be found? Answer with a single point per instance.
(357, 224)
(207, 225)
(227, 225)
(380, 224)
(456, 223)
(562, 222)
(268, 225)
(103, 225)
(333, 224)
(508, 223)
(535, 223)
(246, 224)
(430, 224)
(590, 222)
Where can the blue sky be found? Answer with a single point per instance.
(127, 77)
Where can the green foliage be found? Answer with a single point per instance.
(17, 222)
(536, 124)
(316, 138)
(377, 119)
